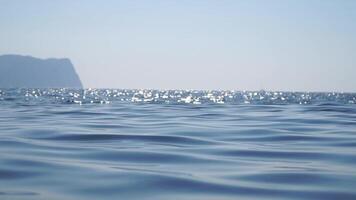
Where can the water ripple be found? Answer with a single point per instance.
(176, 144)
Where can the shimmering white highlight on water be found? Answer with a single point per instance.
(103, 96)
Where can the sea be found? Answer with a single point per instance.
(59, 144)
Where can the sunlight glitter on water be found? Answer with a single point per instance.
(104, 96)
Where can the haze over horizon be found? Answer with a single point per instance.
(244, 45)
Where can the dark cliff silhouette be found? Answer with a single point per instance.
(29, 72)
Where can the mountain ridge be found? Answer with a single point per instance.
(31, 72)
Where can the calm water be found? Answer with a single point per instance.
(147, 144)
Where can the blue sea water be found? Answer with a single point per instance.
(176, 144)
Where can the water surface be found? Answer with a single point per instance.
(150, 144)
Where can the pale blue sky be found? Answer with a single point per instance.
(191, 44)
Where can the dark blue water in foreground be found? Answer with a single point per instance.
(143, 144)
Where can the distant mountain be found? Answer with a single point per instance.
(29, 72)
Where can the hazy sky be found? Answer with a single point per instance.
(191, 44)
